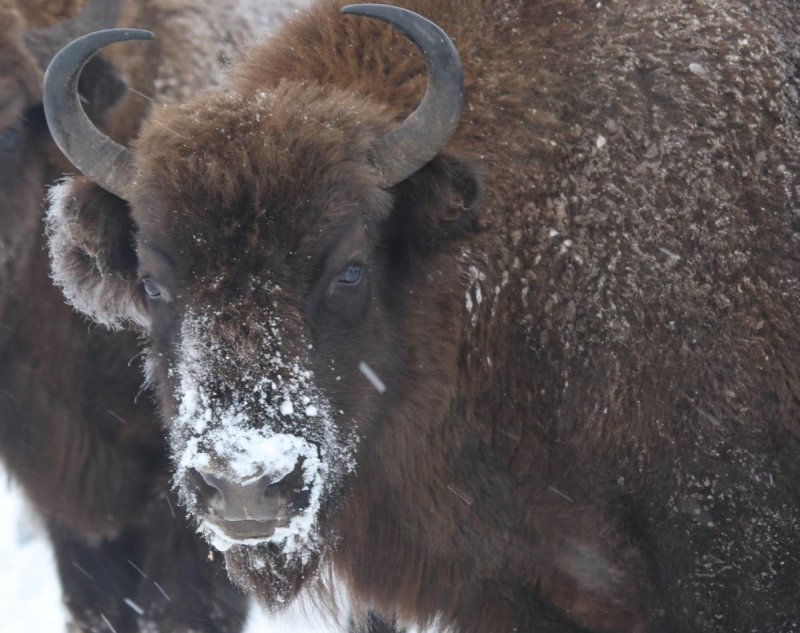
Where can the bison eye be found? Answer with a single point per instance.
(352, 274)
(10, 138)
(151, 288)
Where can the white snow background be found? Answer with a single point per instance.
(30, 595)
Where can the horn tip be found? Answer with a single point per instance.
(136, 34)
(365, 9)
(350, 8)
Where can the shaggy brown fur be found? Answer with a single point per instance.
(87, 453)
(593, 370)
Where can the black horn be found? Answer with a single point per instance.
(104, 161)
(417, 140)
(44, 43)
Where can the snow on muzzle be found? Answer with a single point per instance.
(254, 463)
(250, 485)
(277, 503)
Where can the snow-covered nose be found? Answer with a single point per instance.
(260, 499)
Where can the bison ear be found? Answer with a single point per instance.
(92, 255)
(438, 203)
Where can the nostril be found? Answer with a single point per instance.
(294, 479)
(206, 487)
(292, 488)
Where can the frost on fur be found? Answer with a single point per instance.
(92, 259)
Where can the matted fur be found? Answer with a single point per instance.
(592, 370)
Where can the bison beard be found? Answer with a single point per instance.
(584, 310)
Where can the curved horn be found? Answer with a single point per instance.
(417, 140)
(104, 161)
(43, 44)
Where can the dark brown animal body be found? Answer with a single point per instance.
(88, 454)
(549, 381)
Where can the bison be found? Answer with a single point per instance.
(517, 354)
(88, 454)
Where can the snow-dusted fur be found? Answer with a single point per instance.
(88, 453)
(81, 262)
(585, 311)
(196, 41)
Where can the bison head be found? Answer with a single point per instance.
(276, 247)
(27, 157)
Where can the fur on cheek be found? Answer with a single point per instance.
(84, 241)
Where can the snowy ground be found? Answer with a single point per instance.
(30, 597)
(29, 592)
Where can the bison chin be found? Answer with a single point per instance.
(267, 573)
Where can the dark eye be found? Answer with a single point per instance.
(9, 138)
(151, 288)
(352, 274)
